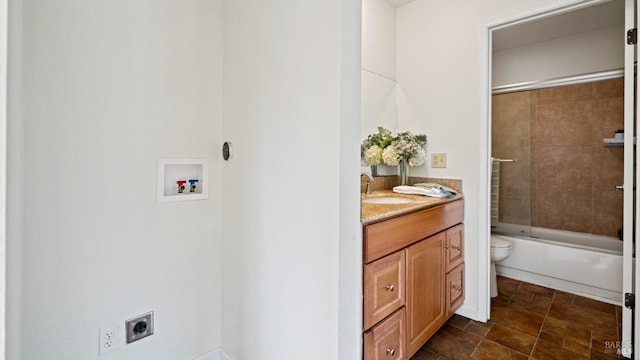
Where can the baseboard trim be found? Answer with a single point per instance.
(217, 354)
(588, 291)
(470, 312)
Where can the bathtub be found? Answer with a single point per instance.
(578, 263)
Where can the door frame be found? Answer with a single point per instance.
(629, 277)
(3, 168)
(487, 62)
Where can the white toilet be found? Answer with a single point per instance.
(500, 250)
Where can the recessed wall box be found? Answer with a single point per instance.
(182, 180)
(139, 327)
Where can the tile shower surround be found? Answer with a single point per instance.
(565, 177)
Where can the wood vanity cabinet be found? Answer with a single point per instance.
(426, 309)
(386, 340)
(385, 293)
(454, 287)
(413, 277)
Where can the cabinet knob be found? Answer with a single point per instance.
(457, 248)
(390, 287)
(446, 246)
(391, 351)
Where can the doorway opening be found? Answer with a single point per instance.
(556, 137)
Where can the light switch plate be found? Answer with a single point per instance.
(439, 160)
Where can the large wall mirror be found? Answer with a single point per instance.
(379, 87)
(378, 103)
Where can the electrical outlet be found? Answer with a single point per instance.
(108, 339)
(139, 327)
(439, 160)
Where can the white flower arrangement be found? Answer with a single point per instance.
(373, 155)
(384, 148)
(373, 146)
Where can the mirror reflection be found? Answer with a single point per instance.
(378, 103)
(379, 87)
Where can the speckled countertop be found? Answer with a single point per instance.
(377, 212)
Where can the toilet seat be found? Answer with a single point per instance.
(500, 243)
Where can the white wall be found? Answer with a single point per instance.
(3, 169)
(379, 37)
(585, 53)
(350, 248)
(283, 225)
(14, 199)
(104, 90)
(442, 67)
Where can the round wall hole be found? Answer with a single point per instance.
(226, 151)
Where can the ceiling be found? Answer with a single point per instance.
(583, 20)
(579, 21)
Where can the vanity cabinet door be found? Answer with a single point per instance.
(455, 289)
(454, 247)
(383, 287)
(386, 340)
(425, 290)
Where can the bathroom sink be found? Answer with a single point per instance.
(387, 200)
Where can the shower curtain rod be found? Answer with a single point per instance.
(569, 80)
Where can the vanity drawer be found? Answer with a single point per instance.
(383, 287)
(454, 247)
(391, 235)
(455, 289)
(386, 340)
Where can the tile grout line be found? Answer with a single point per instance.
(514, 293)
(494, 324)
(484, 337)
(542, 325)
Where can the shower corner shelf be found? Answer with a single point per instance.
(182, 180)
